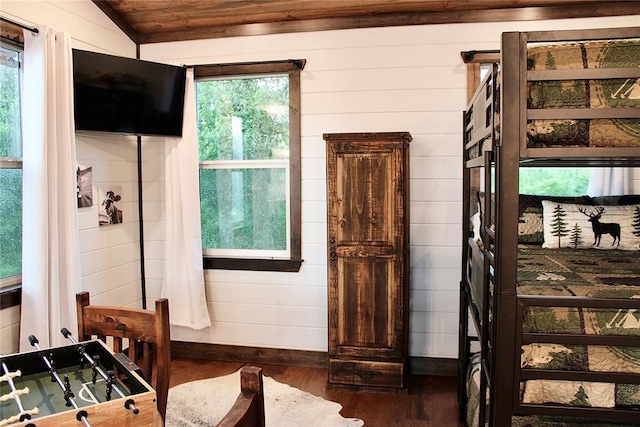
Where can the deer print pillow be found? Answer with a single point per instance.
(568, 225)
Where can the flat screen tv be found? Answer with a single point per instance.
(116, 94)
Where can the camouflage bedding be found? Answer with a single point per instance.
(612, 93)
(473, 409)
(473, 391)
(587, 272)
(584, 272)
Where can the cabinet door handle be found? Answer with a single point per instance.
(332, 251)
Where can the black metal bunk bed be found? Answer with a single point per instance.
(495, 147)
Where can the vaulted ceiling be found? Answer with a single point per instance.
(155, 21)
(174, 20)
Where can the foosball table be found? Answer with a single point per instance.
(81, 384)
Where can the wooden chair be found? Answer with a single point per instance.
(248, 409)
(147, 333)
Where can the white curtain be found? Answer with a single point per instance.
(50, 258)
(183, 272)
(608, 182)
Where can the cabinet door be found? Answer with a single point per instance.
(366, 221)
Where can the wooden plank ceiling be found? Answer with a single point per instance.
(173, 20)
(156, 21)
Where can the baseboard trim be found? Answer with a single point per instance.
(434, 366)
(276, 356)
(236, 353)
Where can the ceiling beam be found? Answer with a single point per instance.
(613, 8)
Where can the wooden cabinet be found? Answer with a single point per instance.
(368, 259)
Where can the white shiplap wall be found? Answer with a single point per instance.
(110, 256)
(387, 79)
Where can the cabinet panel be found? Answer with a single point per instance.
(364, 198)
(367, 302)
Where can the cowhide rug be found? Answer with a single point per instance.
(205, 402)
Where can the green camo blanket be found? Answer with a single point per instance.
(586, 272)
(606, 93)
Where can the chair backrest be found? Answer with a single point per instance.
(248, 409)
(147, 333)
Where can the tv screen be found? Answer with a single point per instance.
(116, 94)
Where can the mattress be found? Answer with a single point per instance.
(584, 94)
(580, 272)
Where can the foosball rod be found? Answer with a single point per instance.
(81, 415)
(22, 414)
(94, 365)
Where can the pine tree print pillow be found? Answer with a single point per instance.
(569, 225)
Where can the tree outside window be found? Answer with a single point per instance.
(550, 181)
(10, 167)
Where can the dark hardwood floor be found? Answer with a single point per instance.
(431, 401)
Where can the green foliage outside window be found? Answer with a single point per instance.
(10, 137)
(11, 224)
(260, 104)
(244, 122)
(554, 181)
(10, 178)
(243, 208)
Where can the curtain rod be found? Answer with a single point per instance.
(24, 27)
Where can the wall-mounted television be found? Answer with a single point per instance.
(124, 95)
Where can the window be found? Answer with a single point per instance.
(10, 167)
(552, 181)
(249, 145)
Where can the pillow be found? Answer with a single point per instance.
(530, 224)
(568, 225)
(625, 199)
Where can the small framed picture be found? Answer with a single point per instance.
(110, 211)
(84, 177)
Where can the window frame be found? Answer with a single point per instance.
(248, 69)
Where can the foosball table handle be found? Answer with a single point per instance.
(82, 415)
(130, 404)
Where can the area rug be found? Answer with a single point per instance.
(205, 402)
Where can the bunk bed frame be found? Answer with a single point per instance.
(495, 138)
